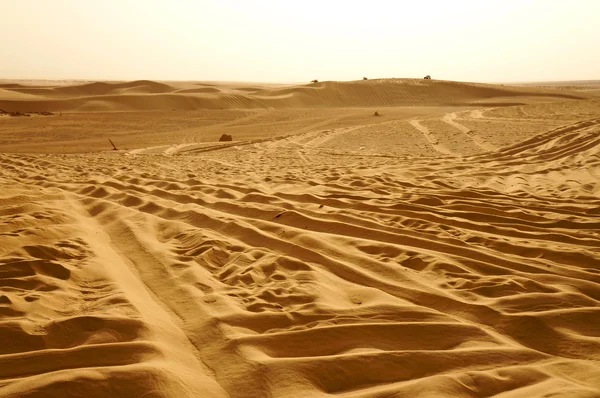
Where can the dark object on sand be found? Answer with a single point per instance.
(427, 77)
(376, 114)
(226, 137)
(114, 147)
(17, 113)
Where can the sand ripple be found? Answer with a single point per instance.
(282, 269)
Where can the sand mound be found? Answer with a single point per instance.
(248, 89)
(148, 95)
(10, 85)
(203, 90)
(100, 88)
(399, 92)
(92, 89)
(130, 102)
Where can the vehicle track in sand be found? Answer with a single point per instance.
(219, 272)
(433, 140)
(450, 118)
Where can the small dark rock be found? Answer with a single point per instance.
(226, 137)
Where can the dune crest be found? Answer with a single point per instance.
(149, 95)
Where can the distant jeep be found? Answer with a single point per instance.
(427, 77)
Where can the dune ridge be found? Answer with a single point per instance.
(150, 95)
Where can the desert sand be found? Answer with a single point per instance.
(449, 247)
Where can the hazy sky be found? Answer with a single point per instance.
(297, 41)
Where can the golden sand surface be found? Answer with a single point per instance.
(449, 247)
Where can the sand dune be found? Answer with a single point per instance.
(443, 251)
(148, 95)
(98, 88)
(201, 90)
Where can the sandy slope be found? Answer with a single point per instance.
(149, 95)
(439, 252)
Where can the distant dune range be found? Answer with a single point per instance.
(148, 95)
